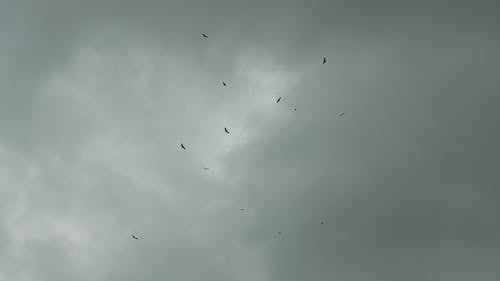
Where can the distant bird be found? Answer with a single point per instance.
(295, 109)
(278, 100)
(279, 232)
(242, 209)
(133, 236)
(324, 60)
(204, 35)
(227, 131)
(205, 168)
(341, 114)
(183, 147)
(322, 222)
(224, 83)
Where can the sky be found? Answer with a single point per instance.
(97, 96)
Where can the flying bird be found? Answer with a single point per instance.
(242, 209)
(279, 232)
(322, 222)
(227, 131)
(133, 236)
(183, 147)
(224, 83)
(278, 100)
(341, 114)
(205, 168)
(324, 60)
(204, 35)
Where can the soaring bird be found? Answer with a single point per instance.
(204, 35)
(324, 60)
(183, 147)
(224, 83)
(133, 236)
(278, 100)
(227, 131)
(341, 114)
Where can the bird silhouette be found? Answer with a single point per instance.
(341, 114)
(205, 168)
(324, 60)
(224, 83)
(133, 236)
(183, 147)
(278, 100)
(204, 35)
(227, 131)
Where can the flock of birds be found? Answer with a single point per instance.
(204, 35)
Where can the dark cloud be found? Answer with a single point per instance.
(97, 96)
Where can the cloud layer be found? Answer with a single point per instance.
(96, 97)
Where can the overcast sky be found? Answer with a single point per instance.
(97, 96)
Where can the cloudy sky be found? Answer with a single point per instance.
(96, 97)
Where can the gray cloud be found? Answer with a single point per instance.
(96, 97)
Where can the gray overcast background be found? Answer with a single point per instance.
(96, 97)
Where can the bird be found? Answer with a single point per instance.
(279, 232)
(322, 222)
(295, 109)
(242, 209)
(324, 60)
(278, 100)
(183, 147)
(224, 83)
(227, 131)
(341, 114)
(133, 236)
(205, 168)
(204, 35)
